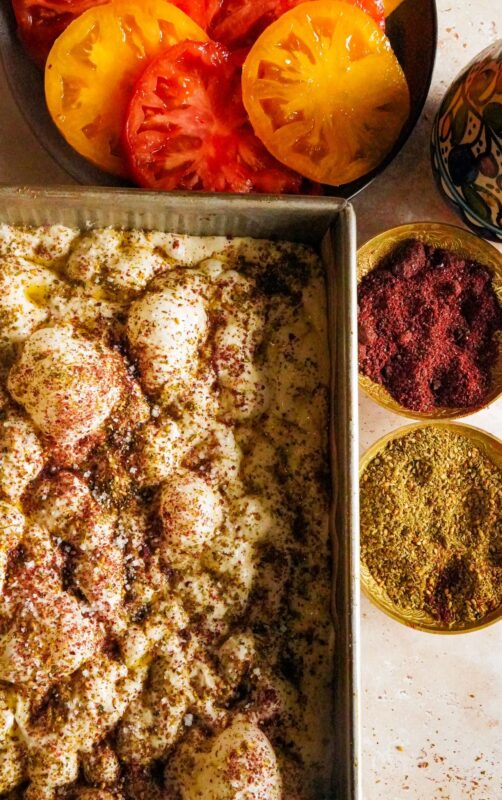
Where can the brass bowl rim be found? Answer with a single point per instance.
(365, 383)
(392, 610)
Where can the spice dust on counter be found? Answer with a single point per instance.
(431, 525)
(428, 326)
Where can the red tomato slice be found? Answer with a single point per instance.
(238, 23)
(187, 127)
(40, 22)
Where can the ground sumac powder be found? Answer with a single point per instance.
(427, 327)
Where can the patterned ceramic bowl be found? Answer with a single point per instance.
(467, 144)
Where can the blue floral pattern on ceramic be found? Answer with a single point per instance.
(467, 144)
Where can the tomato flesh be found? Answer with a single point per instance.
(375, 8)
(325, 92)
(238, 23)
(187, 127)
(40, 22)
(93, 66)
(201, 11)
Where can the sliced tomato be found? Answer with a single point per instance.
(375, 8)
(201, 11)
(238, 23)
(40, 22)
(93, 67)
(325, 92)
(187, 127)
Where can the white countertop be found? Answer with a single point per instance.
(431, 705)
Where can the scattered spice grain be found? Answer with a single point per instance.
(431, 525)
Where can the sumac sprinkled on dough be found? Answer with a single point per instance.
(166, 588)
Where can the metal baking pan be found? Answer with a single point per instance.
(329, 224)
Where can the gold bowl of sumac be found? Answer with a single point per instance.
(430, 522)
(430, 321)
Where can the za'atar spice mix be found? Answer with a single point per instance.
(431, 525)
(429, 327)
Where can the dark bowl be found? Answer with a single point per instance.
(412, 30)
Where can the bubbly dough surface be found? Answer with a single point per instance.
(238, 762)
(67, 384)
(164, 553)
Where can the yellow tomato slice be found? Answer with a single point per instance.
(325, 92)
(92, 68)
